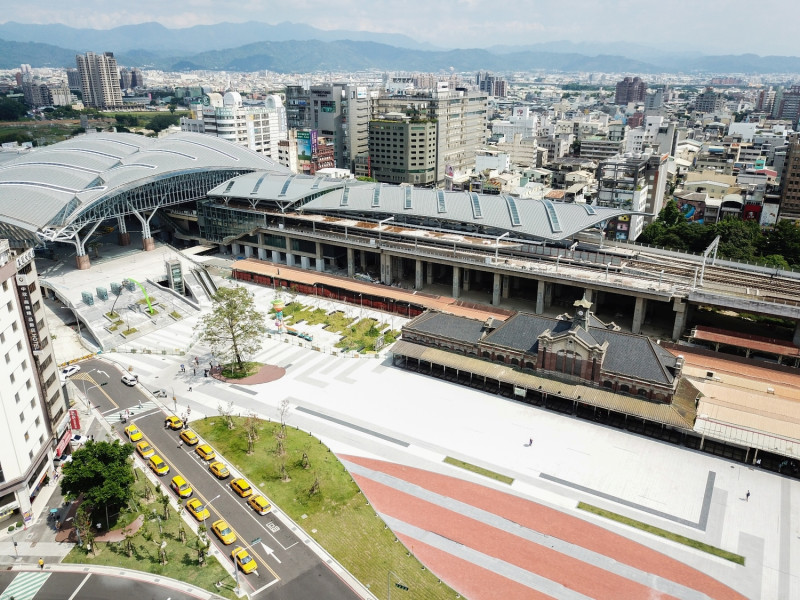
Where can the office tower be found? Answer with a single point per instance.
(340, 113)
(99, 80)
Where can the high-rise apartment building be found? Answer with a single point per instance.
(137, 79)
(789, 207)
(622, 183)
(260, 127)
(99, 80)
(125, 79)
(34, 424)
(789, 107)
(461, 123)
(491, 85)
(73, 79)
(298, 107)
(630, 89)
(709, 101)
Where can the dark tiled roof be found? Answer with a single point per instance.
(521, 332)
(448, 326)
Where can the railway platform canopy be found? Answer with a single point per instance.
(783, 351)
(63, 192)
(434, 209)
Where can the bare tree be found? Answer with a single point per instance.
(226, 410)
(251, 432)
(283, 410)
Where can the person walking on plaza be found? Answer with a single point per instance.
(41, 563)
(747, 496)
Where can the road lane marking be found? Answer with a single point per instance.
(78, 589)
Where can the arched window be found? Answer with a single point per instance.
(500, 358)
(486, 354)
(515, 361)
(568, 362)
(643, 392)
(624, 388)
(529, 365)
(608, 384)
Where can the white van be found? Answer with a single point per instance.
(129, 379)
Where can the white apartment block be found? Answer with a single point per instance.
(34, 423)
(259, 127)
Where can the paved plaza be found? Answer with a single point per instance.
(365, 409)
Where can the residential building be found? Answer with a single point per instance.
(491, 85)
(630, 89)
(460, 117)
(709, 101)
(73, 79)
(789, 107)
(789, 207)
(622, 183)
(34, 421)
(137, 78)
(99, 80)
(599, 147)
(298, 107)
(524, 152)
(40, 94)
(340, 112)
(260, 127)
(125, 79)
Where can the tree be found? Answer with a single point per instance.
(234, 328)
(102, 472)
(161, 122)
(11, 110)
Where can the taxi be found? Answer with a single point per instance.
(205, 452)
(144, 449)
(173, 422)
(133, 433)
(189, 437)
(241, 487)
(181, 487)
(223, 531)
(158, 466)
(197, 509)
(260, 504)
(243, 560)
(219, 469)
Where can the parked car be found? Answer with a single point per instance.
(219, 469)
(69, 371)
(223, 531)
(198, 509)
(205, 452)
(133, 433)
(78, 439)
(189, 437)
(158, 466)
(241, 487)
(144, 449)
(180, 486)
(173, 422)
(260, 504)
(129, 379)
(243, 560)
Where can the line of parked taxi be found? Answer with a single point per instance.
(184, 490)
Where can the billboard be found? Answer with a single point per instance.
(303, 145)
(693, 211)
(752, 212)
(313, 142)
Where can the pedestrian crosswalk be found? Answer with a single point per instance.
(130, 413)
(24, 586)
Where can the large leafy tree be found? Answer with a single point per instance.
(101, 471)
(234, 328)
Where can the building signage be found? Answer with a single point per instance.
(24, 295)
(313, 142)
(63, 443)
(74, 419)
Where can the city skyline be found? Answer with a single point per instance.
(465, 24)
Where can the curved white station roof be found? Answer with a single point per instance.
(51, 186)
(527, 217)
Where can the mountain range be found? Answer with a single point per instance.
(297, 48)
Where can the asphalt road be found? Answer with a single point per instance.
(287, 568)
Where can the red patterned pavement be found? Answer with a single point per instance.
(588, 579)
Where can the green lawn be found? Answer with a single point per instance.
(674, 537)
(479, 470)
(182, 563)
(231, 370)
(337, 516)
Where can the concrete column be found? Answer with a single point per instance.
(638, 314)
(548, 294)
(540, 287)
(418, 271)
(236, 249)
(148, 244)
(456, 281)
(305, 262)
(467, 274)
(351, 262)
(248, 252)
(289, 260)
(276, 256)
(82, 262)
(123, 237)
(496, 289)
(506, 286)
(386, 269)
(680, 318)
(429, 273)
(262, 254)
(363, 260)
(320, 264)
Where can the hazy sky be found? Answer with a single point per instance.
(729, 26)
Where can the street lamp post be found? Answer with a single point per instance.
(207, 504)
(558, 258)
(497, 245)
(607, 265)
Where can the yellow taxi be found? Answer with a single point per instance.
(259, 504)
(241, 487)
(223, 531)
(133, 433)
(243, 560)
(173, 422)
(144, 449)
(181, 487)
(197, 509)
(189, 437)
(158, 466)
(219, 469)
(205, 452)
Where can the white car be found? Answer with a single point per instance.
(78, 439)
(69, 371)
(129, 379)
(162, 393)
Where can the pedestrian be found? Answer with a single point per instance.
(188, 410)
(180, 443)
(58, 523)
(194, 371)
(190, 389)
(41, 563)
(747, 496)
(530, 442)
